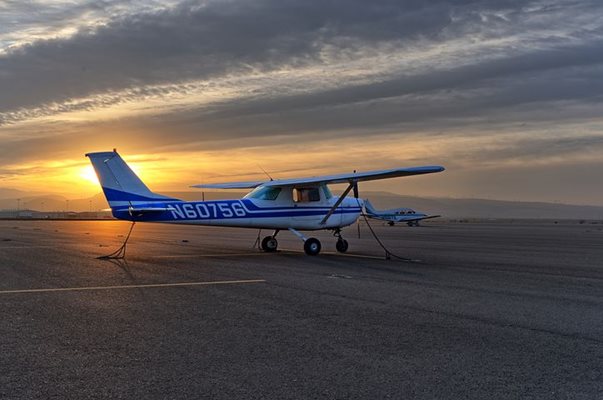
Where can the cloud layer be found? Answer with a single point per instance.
(494, 84)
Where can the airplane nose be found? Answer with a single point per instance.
(354, 202)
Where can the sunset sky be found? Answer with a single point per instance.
(507, 95)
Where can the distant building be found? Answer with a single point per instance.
(33, 214)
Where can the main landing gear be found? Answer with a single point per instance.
(269, 243)
(312, 246)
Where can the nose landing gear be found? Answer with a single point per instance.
(342, 245)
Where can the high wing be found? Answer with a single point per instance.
(340, 178)
(231, 185)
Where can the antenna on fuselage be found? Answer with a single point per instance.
(264, 171)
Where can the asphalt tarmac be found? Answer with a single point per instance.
(488, 311)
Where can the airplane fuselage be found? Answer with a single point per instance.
(401, 218)
(245, 213)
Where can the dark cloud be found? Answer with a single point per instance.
(200, 41)
(193, 41)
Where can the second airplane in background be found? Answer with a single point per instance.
(396, 215)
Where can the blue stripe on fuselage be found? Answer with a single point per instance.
(221, 210)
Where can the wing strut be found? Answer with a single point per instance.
(353, 185)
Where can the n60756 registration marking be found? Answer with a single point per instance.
(206, 210)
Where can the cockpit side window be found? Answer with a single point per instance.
(264, 193)
(305, 195)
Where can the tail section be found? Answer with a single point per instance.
(122, 187)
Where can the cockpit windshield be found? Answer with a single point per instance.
(327, 192)
(264, 193)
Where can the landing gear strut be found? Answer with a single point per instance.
(269, 243)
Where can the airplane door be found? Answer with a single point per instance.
(312, 205)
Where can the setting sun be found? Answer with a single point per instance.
(88, 174)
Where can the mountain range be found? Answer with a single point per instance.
(11, 199)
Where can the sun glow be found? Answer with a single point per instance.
(88, 174)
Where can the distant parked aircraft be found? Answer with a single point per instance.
(304, 204)
(406, 215)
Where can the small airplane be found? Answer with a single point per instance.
(407, 215)
(303, 204)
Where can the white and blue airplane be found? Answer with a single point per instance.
(304, 204)
(396, 215)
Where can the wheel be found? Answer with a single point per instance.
(342, 245)
(391, 223)
(269, 244)
(312, 246)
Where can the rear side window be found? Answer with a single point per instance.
(305, 195)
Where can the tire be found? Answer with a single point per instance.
(342, 245)
(312, 246)
(391, 223)
(269, 244)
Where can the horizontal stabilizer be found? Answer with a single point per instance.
(149, 209)
(140, 211)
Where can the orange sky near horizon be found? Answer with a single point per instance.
(176, 171)
(172, 171)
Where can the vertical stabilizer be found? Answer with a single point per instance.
(121, 186)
